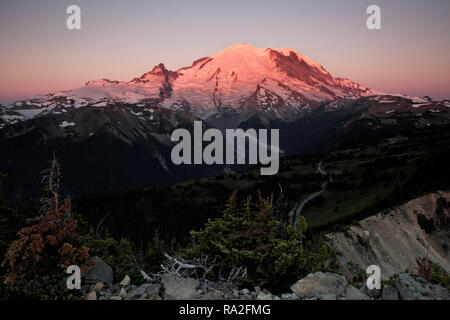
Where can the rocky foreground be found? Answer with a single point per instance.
(315, 286)
(393, 240)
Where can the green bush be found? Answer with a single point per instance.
(126, 259)
(40, 287)
(246, 236)
(439, 275)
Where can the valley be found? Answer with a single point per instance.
(367, 177)
(110, 135)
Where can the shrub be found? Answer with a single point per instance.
(42, 244)
(48, 243)
(126, 259)
(39, 287)
(246, 236)
(432, 272)
(120, 255)
(439, 275)
(424, 267)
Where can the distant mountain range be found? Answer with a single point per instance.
(112, 134)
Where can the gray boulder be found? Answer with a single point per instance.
(123, 293)
(100, 272)
(318, 284)
(264, 296)
(389, 293)
(91, 296)
(289, 296)
(410, 288)
(373, 293)
(137, 292)
(351, 293)
(245, 292)
(152, 290)
(179, 288)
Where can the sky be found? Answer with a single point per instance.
(120, 40)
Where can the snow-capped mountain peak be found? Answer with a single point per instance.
(231, 77)
(236, 77)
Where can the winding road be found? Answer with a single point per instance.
(302, 204)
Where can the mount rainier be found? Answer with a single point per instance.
(112, 134)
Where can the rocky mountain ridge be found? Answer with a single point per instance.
(396, 238)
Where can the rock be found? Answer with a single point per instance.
(245, 292)
(264, 296)
(257, 289)
(410, 288)
(327, 297)
(97, 287)
(319, 283)
(212, 296)
(115, 298)
(103, 294)
(100, 272)
(137, 292)
(373, 293)
(126, 281)
(389, 293)
(123, 293)
(179, 288)
(289, 296)
(91, 296)
(351, 293)
(236, 293)
(152, 290)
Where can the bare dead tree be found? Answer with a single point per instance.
(51, 180)
(281, 211)
(237, 272)
(196, 268)
(99, 230)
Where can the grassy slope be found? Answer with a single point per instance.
(367, 179)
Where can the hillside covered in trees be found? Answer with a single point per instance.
(239, 220)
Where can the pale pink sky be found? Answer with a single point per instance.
(123, 39)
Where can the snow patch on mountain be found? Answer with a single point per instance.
(66, 124)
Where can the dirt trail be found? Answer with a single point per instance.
(302, 204)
